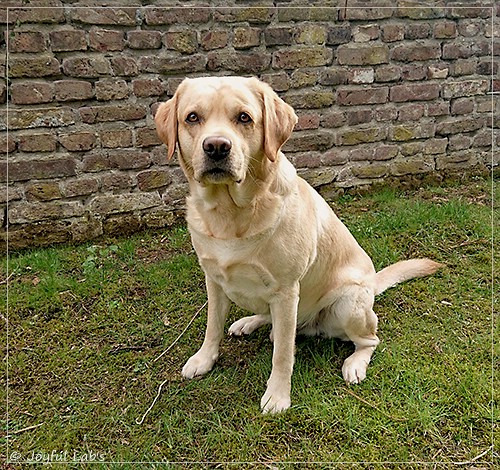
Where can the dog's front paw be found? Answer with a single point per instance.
(275, 402)
(199, 364)
(354, 369)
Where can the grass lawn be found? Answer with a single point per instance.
(87, 322)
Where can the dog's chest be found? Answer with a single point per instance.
(233, 265)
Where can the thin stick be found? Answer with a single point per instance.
(153, 403)
(182, 333)
(29, 428)
(476, 458)
(374, 407)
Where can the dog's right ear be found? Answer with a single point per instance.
(166, 124)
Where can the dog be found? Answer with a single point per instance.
(265, 239)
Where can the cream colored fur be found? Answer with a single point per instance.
(265, 239)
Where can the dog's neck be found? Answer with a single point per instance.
(241, 210)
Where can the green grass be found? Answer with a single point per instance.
(86, 323)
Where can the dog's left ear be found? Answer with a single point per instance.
(166, 124)
(279, 121)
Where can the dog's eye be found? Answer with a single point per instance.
(192, 117)
(244, 118)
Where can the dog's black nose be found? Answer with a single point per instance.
(217, 147)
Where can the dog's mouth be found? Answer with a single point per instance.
(219, 175)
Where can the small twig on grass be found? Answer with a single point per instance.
(162, 354)
(19, 431)
(5, 281)
(476, 458)
(374, 407)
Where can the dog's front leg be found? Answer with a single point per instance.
(284, 320)
(218, 307)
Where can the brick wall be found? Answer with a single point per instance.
(382, 89)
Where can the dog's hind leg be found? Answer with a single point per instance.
(352, 314)
(247, 325)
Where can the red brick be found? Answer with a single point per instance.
(246, 37)
(148, 87)
(144, 39)
(177, 15)
(104, 16)
(393, 32)
(73, 90)
(86, 67)
(357, 96)
(37, 143)
(415, 31)
(104, 40)
(411, 112)
(116, 138)
(68, 40)
(31, 92)
(388, 73)
(445, 30)
(111, 89)
(7, 144)
(126, 112)
(414, 92)
(27, 41)
(124, 66)
(78, 141)
(278, 36)
(413, 52)
(338, 35)
(38, 169)
(358, 10)
(185, 42)
(145, 137)
(308, 121)
(214, 39)
(80, 187)
(462, 106)
(129, 159)
(48, 15)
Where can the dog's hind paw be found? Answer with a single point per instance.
(247, 325)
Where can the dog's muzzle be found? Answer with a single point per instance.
(218, 166)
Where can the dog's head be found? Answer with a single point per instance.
(224, 127)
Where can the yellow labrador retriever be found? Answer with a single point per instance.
(265, 239)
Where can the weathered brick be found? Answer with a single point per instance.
(43, 191)
(437, 71)
(370, 170)
(27, 41)
(78, 141)
(411, 166)
(357, 96)
(36, 234)
(411, 112)
(145, 137)
(334, 76)
(415, 10)
(144, 39)
(124, 159)
(393, 32)
(358, 10)
(31, 67)
(414, 72)
(38, 169)
(458, 125)
(435, 146)
(461, 67)
(460, 160)
(417, 31)
(365, 33)
(438, 108)
(303, 78)
(358, 116)
(310, 99)
(105, 205)
(445, 29)
(462, 106)
(385, 152)
(104, 40)
(42, 14)
(278, 81)
(414, 52)
(35, 211)
(37, 117)
(116, 181)
(7, 144)
(111, 89)
(459, 142)
(302, 57)
(465, 48)
(366, 54)
(471, 12)
(214, 39)
(126, 112)
(338, 35)
(185, 42)
(246, 37)
(80, 187)
(310, 34)
(104, 16)
(465, 88)
(86, 67)
(242, 62)
(124, 66)
(153, 179)
(257, 14)
(73, 90)
(308, 121)
(414, 92)
(37, 143)
(116, 138)
(306, 141)
(177, 15)
(148, 87)
(68, 40)
(361, 75)
(31, 92)
(122, 224)
(278, 36)
(404, 132)
(171, 65)
(333, 119)
(388, 73)
(361, 135)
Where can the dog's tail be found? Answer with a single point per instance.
(403, 271)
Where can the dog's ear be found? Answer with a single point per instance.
(166, 124)
(279, 121)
